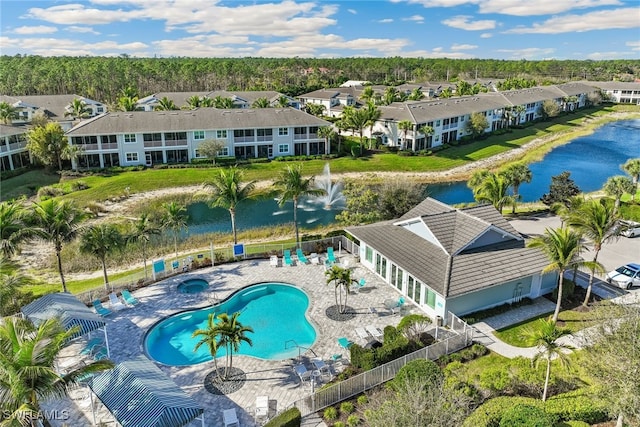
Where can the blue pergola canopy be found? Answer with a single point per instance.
(139, 394)
(71, 311)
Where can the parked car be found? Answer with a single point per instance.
(625, 277)
(629, 228)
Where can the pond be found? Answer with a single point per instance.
(591, 160)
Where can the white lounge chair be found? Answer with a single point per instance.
(115, 303)
(374, 331)
(262, 407)
(273, 261)
(362, 334)
(230, 418)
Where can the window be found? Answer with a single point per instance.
(265, 134)
(283, 131)
(224, 152)
(221, 134)
(100, 110)
(148, 137)
(198, 135)
(129, 138)
(431, 298)
(132, 157)
(196, 154)
(437, 122)
(109, 139)
(416, 294)
(369, 254)
(283, 148)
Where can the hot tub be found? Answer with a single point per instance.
(193, 286)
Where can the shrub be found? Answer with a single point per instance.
(338, 424)
(289, 418)
(479, 350)
(362, 358)
(362, 399)
(394, 350)
(346, 408)
(526, 416)
(574, 424)
(420, 368)
(578, 405)
(495, 379)
(353, 420)
(79, 185)
(330, 413)
(48, 192)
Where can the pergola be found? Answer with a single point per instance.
(71, 312)
(139, 394)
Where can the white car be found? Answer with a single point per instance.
(625, 277)
(629, 228)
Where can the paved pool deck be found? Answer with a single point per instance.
(276, 379)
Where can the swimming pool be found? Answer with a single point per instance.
(275, 311)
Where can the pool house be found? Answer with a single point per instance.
(458, 260)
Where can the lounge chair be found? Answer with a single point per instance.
(303, 259)
(101, 354)
(344, 343)
(115, 303)
(362, 334)
(262, 407)
(322, 367)
(273, 261)
(331, 257)
(97, 305)
(128, 298)
(374, 331)
(287, 258)
(230, 418)
(92, 345)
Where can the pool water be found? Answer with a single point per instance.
(193, 286)
(275, 311)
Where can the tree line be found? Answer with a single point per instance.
(103, 78)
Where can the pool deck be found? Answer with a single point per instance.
(275, 379)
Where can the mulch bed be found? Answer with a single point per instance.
(333, 313)
(215, 383)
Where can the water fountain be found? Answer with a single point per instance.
(333, 191)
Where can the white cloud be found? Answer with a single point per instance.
(437, 3)
(352, 11)
(634, 45)
(601, 20)
(385, 21)
(463, 46)
(78, 29)
(528, 53)
(37, 29)
(610, 55)
(463, 22)
(539, 7)
(486, 35)
(70, 47)
(414, 18)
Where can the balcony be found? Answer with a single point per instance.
(243, 139)
(149, 144)
(176, 143)
(109, 145)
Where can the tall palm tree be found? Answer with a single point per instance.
(493, 189)
(233, 333)
(390, 96)
(194, 102)
(101, 241)
(175, 219)
(342, 278)
(416, 95)
(597, 222)
(13, 228)
(632, 168)
(477, 177)
(166, 104)
(516, 174)
(356, 120)
(209, 337)
(562, 246)
(545, 337)
(78, 109)
(126, 103)
(228, 191)
(57, 222)
(141, 231)
(73, 153)
(367, 94)
(28, 375)
(222, 103)
(283, 102)
(261, 103)
(426, 130)
(405, 126)
(616, 186)
(327, 133)
(373, 115)
(291, 185)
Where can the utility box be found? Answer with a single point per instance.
(439, 321)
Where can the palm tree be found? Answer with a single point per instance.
(101, 241)
(141, 231)
(426, 131)
(13, 228)
(283, 102)
(327, 133)
(405, 126)
(373, 115)
(7, 112)
(616, 186)
(233, 333)
(209, 337)
(28, 375)
(562, 247)
(545, 337)
(206, 102)
(12, 281)
(390, 96)
(57, 222)
(416, 95)
(261, 103)
(356, 120)
(222, 103)
(342, 279)
(516, 174)
(228, 191)
(126, 103)
(194, 102)
(632, 168)
(175, 219)
(78, 109)
(73, 153)
(166, 104)
(291, 185)
(493, 189)
(314, 109)
(598, 222)
(367, 94)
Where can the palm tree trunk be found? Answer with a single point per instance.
(590, 285)
(295, 219)
(546, 379)
(104, 273)
(619, 421)
(233, 226)
(556, 313)
(175, 243)
(59, 258)
(346, 296)
(144, 259)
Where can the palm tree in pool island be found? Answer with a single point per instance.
(342, 279)
(291, 185)
(228, 191)
(27, 370)
(209, 337)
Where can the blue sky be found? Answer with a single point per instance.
(501, 29)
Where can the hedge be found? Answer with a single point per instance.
(289, 418)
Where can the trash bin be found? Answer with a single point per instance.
(439, 321)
